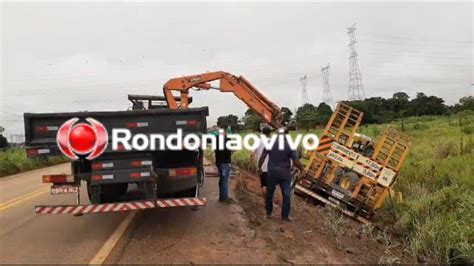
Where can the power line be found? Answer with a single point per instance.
(414, 44)
(418, 53)
(416, 39)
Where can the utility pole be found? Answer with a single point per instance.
(304, 92)
(356, 87)
(327, 95)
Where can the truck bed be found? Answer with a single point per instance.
(41, 128)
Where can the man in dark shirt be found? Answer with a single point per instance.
(223, 163)
(279, 173)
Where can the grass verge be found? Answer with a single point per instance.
(437, 182)
(15, 161)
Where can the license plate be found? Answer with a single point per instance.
(337, 194)
(55, 190)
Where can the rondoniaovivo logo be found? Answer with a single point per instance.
(89, 139)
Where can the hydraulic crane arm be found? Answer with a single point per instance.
(241, 88)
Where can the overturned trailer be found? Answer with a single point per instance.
(348, 170)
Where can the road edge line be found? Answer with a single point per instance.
(15, 201)
(105, 250)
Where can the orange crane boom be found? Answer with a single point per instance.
(240, 86)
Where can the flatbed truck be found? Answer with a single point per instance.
(163, 178)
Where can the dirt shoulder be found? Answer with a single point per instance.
(217, 233)
(239, 233)
(317, 234)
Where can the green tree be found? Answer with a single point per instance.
(371, 107)
(287, 114)
(3, 142)
(306, 116)
(229, 120)
(251, 120)
(467, 103)
(402, 96)
(398, 102)
(324, 112)
(427, 105)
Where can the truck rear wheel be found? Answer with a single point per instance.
(148, 190)
(93, 191)
(191, 193)
(113, 192)
(106, 193)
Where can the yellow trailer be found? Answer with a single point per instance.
(348, 170)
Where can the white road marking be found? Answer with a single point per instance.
(101, 256)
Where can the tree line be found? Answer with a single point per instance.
(377, 110)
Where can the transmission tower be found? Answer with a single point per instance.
(327, 95)
(356, 87)
(304, 92)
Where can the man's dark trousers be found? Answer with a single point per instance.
(285, 186)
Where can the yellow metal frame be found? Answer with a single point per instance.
(391, 151)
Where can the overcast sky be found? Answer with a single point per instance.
(84, 56)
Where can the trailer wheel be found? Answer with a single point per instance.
(295, 177)
(338, 173)
(348, 181)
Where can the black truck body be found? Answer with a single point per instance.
(157, 173)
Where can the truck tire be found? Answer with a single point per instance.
(94, 193)
(148, 190)
(112, 192)
(348, 181)
(338, 173)
(190, 193)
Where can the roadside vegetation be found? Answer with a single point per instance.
(437, 182)
(436, 216)
(14, 161)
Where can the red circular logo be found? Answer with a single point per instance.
(82, 138)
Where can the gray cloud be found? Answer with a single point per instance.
(84, 56)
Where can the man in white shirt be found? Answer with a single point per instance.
(258, 152)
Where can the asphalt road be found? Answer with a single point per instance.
(26, 237)
(217, 233)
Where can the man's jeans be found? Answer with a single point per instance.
(285, 186)
(224, 173)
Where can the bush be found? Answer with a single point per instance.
(468, 130)
(445, 148)
(3, 142)
(242, 159)
(420, 126)
(15, 161)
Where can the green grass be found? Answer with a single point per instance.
(15, 161)
(436, 217)
(437, 182)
